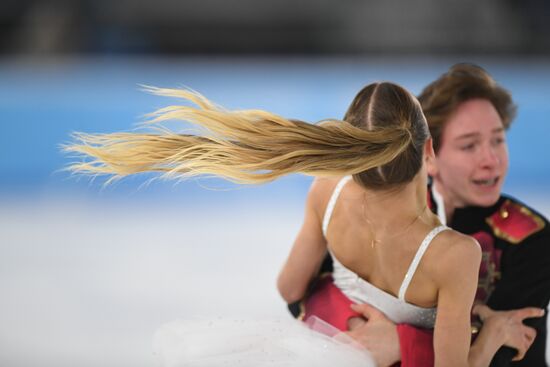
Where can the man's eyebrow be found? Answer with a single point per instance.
(467, 136)
(477, 134)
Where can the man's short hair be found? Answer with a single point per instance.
(462, 82)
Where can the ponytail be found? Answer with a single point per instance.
(250, 146)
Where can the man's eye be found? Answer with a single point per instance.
(468, 147)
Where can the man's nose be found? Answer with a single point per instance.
(489, 157)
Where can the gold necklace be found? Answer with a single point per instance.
(370, 225)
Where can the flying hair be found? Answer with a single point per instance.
(248, 146)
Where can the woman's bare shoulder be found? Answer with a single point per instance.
(321, 189)
(324, 184)
(455, 252)
(458, 240)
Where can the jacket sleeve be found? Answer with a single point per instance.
(416, 346)
(525, 282)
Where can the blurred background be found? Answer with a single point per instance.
(88, 272)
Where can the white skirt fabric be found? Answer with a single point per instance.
(256, 343)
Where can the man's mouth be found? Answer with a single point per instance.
(487, 183)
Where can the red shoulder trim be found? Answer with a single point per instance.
(514, 222)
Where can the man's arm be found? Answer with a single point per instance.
(525, 282)
(517, 335)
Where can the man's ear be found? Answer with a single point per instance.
(429, 156)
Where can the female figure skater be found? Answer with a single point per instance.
(367, 207)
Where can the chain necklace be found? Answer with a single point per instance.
(370, 225)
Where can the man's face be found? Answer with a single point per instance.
(472, 161)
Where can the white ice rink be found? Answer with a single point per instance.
(86, 284)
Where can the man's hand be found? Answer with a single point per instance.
(510, 324)
(376, 333)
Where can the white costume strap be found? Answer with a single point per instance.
(440, 205)
(414, 264)
(332, 202)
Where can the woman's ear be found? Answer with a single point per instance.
(429, 156)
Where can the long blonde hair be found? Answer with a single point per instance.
(249, 146)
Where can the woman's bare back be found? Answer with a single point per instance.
(385, 263)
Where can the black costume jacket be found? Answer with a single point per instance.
(515, 265)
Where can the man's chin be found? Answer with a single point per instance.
(485, 200)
